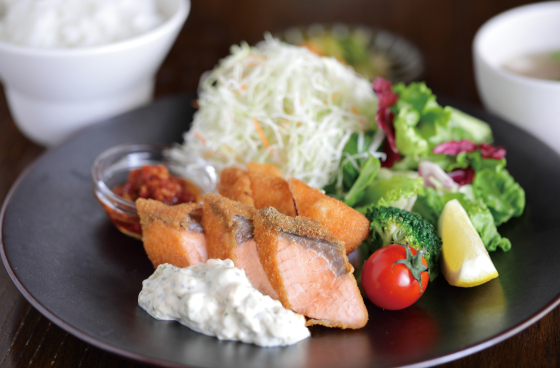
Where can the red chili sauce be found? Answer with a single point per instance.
(154, 182)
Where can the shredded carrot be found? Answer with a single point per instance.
(199, 137)
(355, 110)
(261, 133)
(284, 126)
(244, 86)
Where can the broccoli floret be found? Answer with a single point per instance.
(394, 225)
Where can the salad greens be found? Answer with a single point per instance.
(434, 154)
(392, 188)
(421, 124)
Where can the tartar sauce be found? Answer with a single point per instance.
(217, 299)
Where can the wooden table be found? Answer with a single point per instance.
(442, 29)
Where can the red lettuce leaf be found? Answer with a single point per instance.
(490, 151)
(384, 117)
(462, 176)
(453, 148)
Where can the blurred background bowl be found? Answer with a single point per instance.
(52, 93)
(530, 103)
(371, 52)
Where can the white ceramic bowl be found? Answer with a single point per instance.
(532, 104)
(52, 93)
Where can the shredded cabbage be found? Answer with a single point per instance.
(279, 104)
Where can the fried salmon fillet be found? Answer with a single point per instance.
(344, 222)
(235, 184)
(172, 234)
(270, 189)
(309, 270)
(228, 226)
(264, 169)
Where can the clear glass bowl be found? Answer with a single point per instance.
(111, 168)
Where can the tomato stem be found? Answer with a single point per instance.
(414, 264)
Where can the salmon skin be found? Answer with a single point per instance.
(228, 226)
(344, 222)
(172, 234)
(308, 268)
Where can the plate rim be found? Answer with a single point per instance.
(440, 359)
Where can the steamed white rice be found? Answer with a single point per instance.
(75, 23)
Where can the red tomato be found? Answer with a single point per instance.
(391, 285)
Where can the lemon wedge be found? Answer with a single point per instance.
(465, 261)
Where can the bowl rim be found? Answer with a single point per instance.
(101, 189)
(106, 196)
(415, 70)
(168, 26)
(493, 22)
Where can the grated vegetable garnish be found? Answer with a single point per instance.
(279, 104)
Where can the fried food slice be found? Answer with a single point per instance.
(172, 234)
(344, 222)
(270, 189)
(235, 184)
(309, 270)
(228, 226)
(264, 169)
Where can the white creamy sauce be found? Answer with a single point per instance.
(217, 299)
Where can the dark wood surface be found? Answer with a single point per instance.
(442, 29)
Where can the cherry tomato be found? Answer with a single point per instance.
(391, 285)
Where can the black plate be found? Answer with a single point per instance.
(69, 261)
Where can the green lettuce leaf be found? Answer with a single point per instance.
(493, 185)
(503, 196)
(367, 174)
(392, 189)
(421, 124)
(474, 159)
(429, 205)
(465, 126)
(354, 158)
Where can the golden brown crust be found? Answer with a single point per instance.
(236, 185)
(298, 225)
(270, 189)
(167, 235)
(218, 221)
(174, 216)
(344, 222)
(266, 237)
(264, 169)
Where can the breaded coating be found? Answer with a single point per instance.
(235, 184)
(264, 169)
(270, 189)
(218, 222)
(228, 226)
(309, 269)
(172, 234)
(344, 222)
